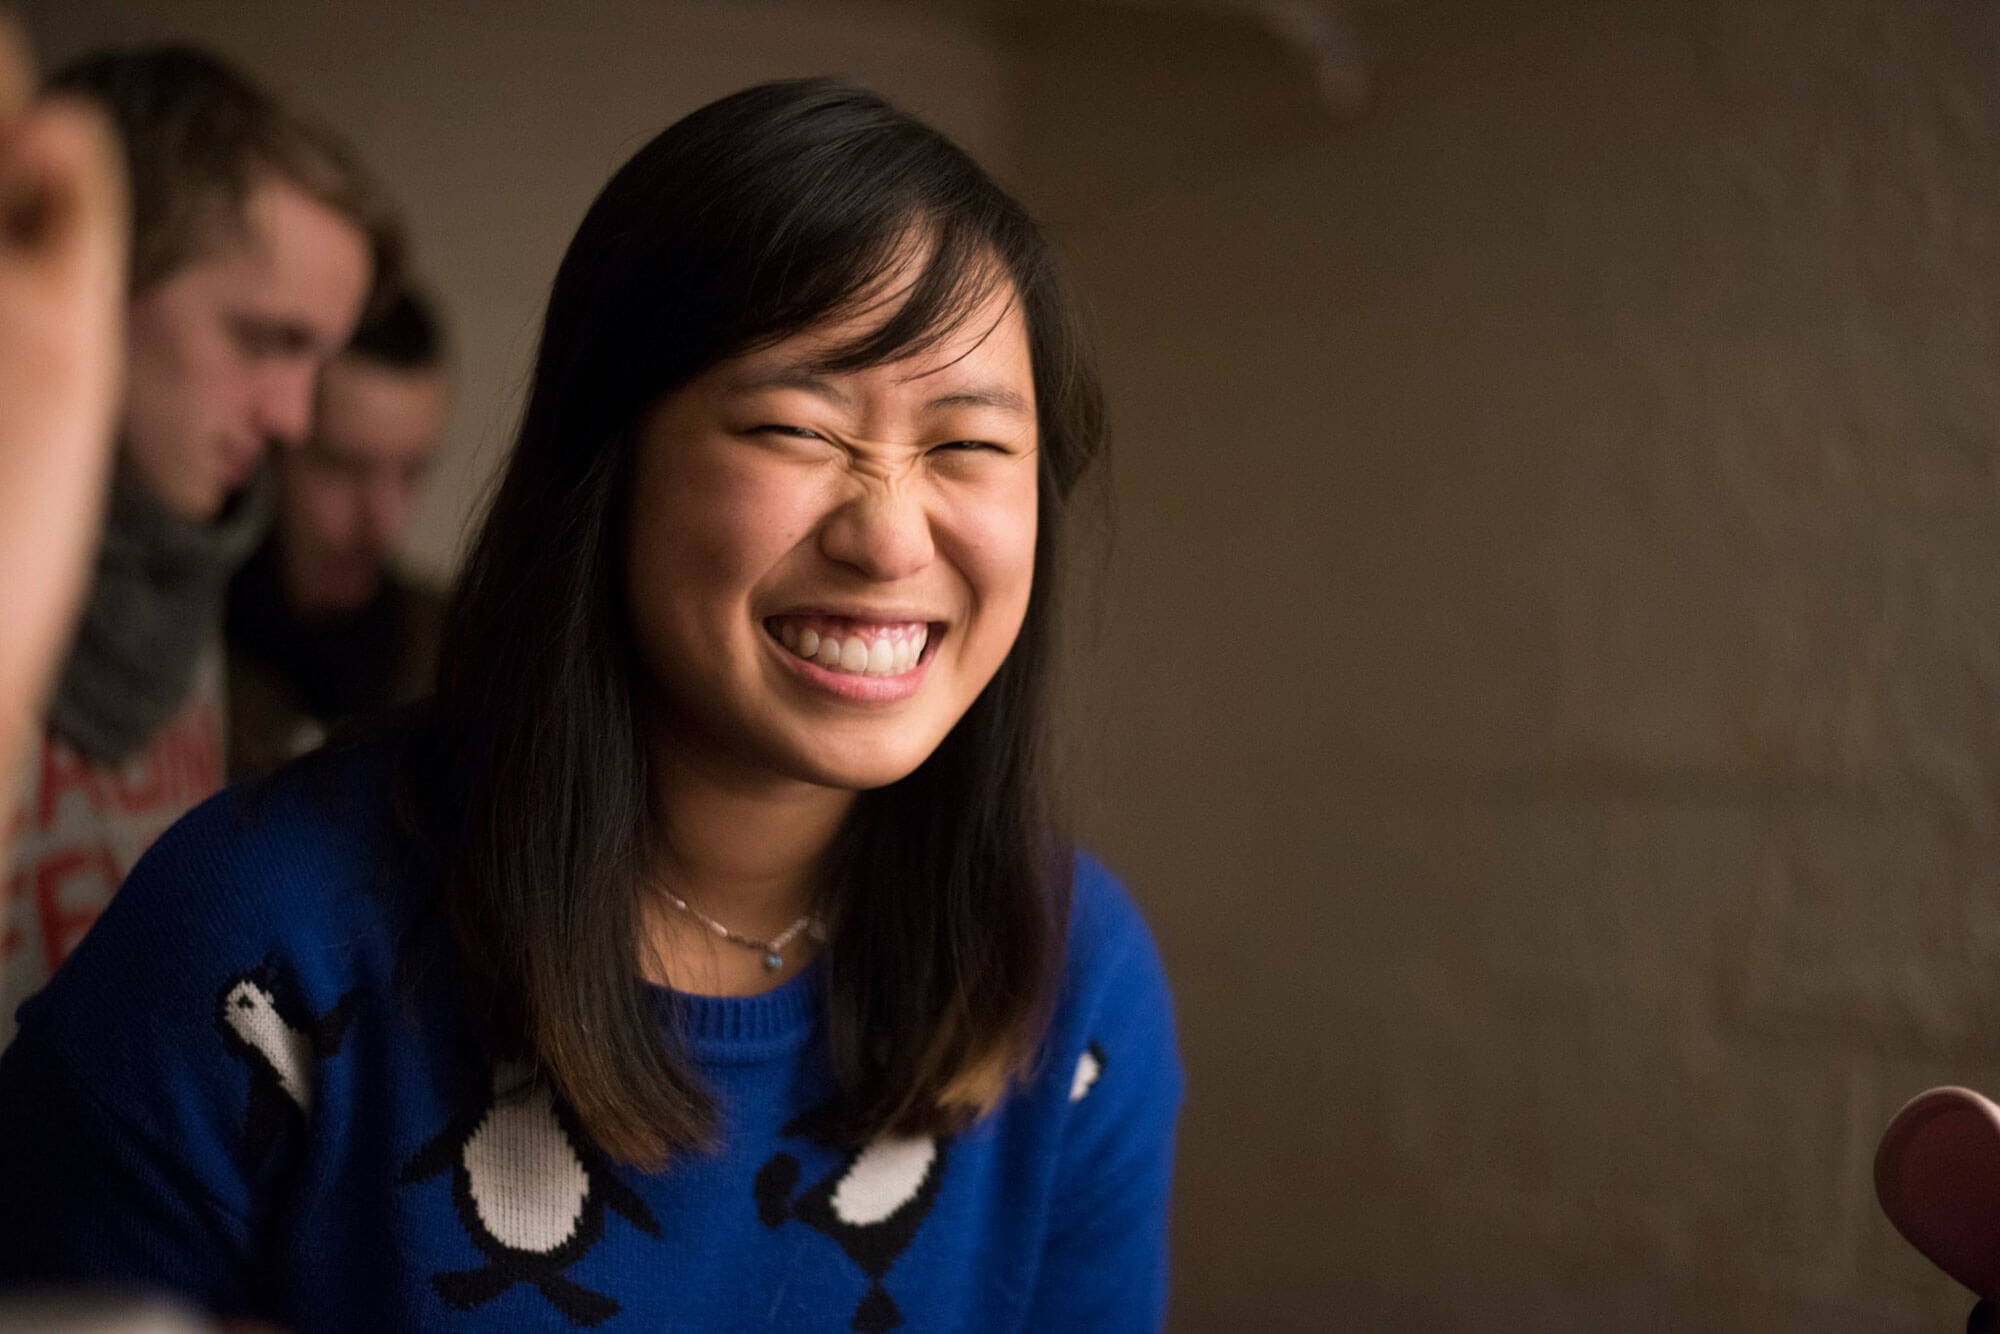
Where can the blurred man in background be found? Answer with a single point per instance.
(321, 625)
(255, 240)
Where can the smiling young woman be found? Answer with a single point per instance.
(724, 887)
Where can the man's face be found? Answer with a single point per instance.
(346, 493)
(224, 352)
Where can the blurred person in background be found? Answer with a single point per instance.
(255, 239)
(321, 625)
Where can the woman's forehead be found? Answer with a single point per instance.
(980, 360)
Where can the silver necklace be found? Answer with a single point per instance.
(773, 949)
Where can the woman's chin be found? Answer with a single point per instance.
(858, 765)
(864, 777)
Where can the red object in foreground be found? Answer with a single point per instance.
(1937, 1174)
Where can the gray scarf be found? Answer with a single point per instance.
(156, 601)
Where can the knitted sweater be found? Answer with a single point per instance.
(252, 1086)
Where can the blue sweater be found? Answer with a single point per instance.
(240, 1089)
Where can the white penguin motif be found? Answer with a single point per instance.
(1089, 1067)
(252, 1014)
(527, 1184)
(267, 1026)
(531, 1194)
(886, 1174)
(870, 1205)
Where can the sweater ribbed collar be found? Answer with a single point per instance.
(742, 1030)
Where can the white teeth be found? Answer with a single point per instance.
(862, 655)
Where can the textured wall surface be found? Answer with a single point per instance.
(1548, 693)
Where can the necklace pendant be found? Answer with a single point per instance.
(773, 960)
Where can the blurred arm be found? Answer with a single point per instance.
(63, 230)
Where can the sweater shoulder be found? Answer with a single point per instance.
(1112, 1061)
(1099, 901)
(301, 841)
(1114, 988)
(1109, 941)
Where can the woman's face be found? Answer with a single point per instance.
(826, 569)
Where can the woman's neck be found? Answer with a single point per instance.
(743, 851)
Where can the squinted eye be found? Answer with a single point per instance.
(971, 447)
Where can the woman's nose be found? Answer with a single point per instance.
(884, 532)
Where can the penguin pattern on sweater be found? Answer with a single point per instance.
(265, 1025)
(870, 1206)
(531, 1193)
(298, 1125)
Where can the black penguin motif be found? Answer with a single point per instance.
(266, 1025)
(1089, 1069)
(870, 1205)
(531, 1193)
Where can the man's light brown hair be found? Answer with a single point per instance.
(199, 137)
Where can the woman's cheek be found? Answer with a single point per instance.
(736, 523)
(998, 545)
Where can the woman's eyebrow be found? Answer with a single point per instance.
(983, 396)
(998, 397)
(790, 377)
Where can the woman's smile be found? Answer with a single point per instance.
(853, 646)
(871, 662)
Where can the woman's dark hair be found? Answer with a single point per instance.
(757, 217)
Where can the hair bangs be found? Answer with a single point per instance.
(956, 271)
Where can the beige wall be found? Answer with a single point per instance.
(496, 123)
(1547, 695)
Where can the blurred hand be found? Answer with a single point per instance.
(83, 1311)
(62, 274)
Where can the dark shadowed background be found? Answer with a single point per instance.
(1545, 688)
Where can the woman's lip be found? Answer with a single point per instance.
(890, 616)
(853, 685)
